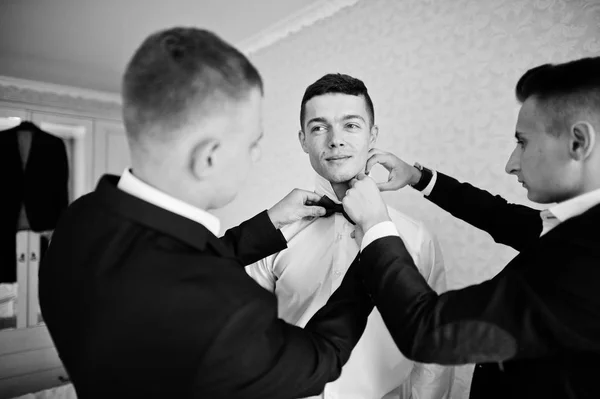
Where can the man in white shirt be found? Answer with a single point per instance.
(337, 131)
(534, 328)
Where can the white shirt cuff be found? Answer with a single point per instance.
(380, 230)
(427, 190)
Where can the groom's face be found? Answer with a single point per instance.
(337, 134)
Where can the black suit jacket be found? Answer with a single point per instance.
(143, 303)
(42, 188)
(534, 328)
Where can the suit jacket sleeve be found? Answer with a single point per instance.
(274, 359)
(254, 239)
(514, 315)
(490, 213)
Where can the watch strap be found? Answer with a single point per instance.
(426, 176)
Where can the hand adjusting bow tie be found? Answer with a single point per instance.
(331, 208)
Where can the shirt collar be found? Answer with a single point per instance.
(575, 206)
(136, 187)
(323, 187)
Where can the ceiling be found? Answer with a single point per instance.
(87, 43)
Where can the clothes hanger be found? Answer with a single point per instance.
(28, 124)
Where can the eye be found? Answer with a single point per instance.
(317, 128)
(353, 125)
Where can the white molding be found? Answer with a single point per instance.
(70, 99)
(60, 90)
(294, 23)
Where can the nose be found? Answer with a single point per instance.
(513, 165)
(336, 138)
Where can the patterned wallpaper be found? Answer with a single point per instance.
(441, 74)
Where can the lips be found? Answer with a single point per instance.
(337, 157)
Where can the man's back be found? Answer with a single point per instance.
(112, 288)
(141, 302)
(560, 264)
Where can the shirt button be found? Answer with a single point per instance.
(337, 273)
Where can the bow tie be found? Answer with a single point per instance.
(331, 208)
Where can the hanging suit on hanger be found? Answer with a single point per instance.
(37, 191)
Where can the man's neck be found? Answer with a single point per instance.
(586, 187)
(340, 189)
(168, 185)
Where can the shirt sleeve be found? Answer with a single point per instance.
(262, 273)
(427, 190)
(382, 229)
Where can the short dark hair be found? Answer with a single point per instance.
(337, 83)
(176, 70)
(563, 89)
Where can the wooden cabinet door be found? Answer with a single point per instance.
(77, 134)
(111, 150)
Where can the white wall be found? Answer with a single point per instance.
(442, 75)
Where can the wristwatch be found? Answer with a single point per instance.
(426, 176)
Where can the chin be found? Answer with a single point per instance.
(222, 201)
(539, 198)
(340, 176)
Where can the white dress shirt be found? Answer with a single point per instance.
(304, 276)
(565, 210)
(134, 186)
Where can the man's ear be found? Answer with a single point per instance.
(582, 139)
(373, 134)
(302, 140)
(205, 158)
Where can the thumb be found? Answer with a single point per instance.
(389, 186)
(355, 179)
(311, 197)
(361, 176)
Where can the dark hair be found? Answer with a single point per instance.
(174, 71)
(337, 83)
(563, 88)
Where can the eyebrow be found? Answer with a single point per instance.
(346, 117)
(318, 119)
(343, 118)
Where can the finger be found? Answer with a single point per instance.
(375, 151)
(382, 159)
(310, 197)
(389, 186)
(352, 183)
(312, 211)
(360, 176)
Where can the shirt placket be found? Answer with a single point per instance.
(341, 247)
(338, 248)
